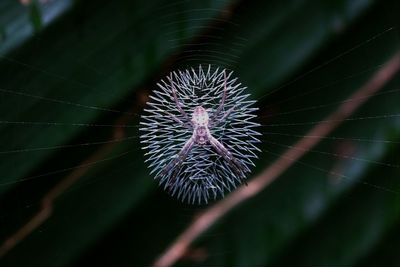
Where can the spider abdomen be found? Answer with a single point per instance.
(200, 116)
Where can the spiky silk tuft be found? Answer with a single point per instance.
(204, 174)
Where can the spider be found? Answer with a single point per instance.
(200, 124)
(199, 131)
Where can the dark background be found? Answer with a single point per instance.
(74, 77)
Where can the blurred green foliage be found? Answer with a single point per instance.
(76, 72)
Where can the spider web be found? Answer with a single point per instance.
(328, 171)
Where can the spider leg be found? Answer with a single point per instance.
(176, 162)
(227, 114)
(178, 104)
(187, 125)
(238, 167)
(213, 123)
(221, 105)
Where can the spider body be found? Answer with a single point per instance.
(201, 133)
(200, 156)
